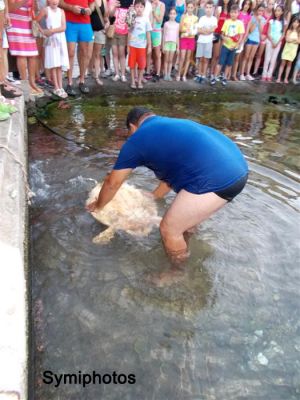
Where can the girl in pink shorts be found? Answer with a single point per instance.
(187, 43)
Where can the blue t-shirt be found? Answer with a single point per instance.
(184, 154)
(255, 35)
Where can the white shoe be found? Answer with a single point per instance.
(116, 78)
(242, 78)
(249, 78)
(123, 78)
(63, 94)
(107, 73)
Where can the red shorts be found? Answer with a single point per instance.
(137, 56)
(187, 44)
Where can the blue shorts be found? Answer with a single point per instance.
(226, 56)
(77, 32)
(252, 42)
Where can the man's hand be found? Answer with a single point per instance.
(88, 11)
(92, 207)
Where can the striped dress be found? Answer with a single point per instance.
(20, 39)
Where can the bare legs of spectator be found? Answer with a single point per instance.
(71, 52)
(157, 59)
(236, 65)
(96, 62)
(28, 62)
(186, 65)
(84, 55)
(288, 65)
(250, 51)
(215, 57)
(181, 62)
(259, 55)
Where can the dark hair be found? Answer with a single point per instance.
(243, 5)
(294, 18)
(210, 3)
(234, 7)
(221, 4)
(136, 113)
(142, 2)
(172, 9)
(282, 15)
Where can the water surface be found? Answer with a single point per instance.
(230, 328)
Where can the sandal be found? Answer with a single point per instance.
(8, 91)
(7, 108)
(133, 86)
(140, 86)
(4, 116)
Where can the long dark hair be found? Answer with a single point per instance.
(294, 18)
(281, 17)
(221, 4)
(243, 4)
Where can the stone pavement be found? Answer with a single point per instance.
(13, 295)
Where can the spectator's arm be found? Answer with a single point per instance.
(15, 5)
(41, 15)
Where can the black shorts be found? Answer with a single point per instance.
(233, 190)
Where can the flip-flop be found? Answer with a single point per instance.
(4, 116)
(83, 88)
(9, 94)
(7, 108)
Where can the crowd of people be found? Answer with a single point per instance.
(204, 40)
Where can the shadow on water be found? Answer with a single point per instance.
(229, 327)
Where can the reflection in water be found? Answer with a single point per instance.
(229, 328)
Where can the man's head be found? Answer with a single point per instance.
(135, 116)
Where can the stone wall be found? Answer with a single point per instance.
(13, 257)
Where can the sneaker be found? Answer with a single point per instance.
(107, 73)
(70, 91)
(219, 78)
(197, 77)
(213, 81)
(224, 81)
(147, 76)
(116, 78)
(123, 78)
(242, 78)
(63, 94)
(249, 78)
(83, 88)
(155, 78)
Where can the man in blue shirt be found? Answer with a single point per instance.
(204, 167)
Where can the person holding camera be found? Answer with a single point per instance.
(79, 30)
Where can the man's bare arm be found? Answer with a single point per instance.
(162, 189)
(111, 185)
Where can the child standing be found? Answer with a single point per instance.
(232, 35)
(188, 30)
(139, 41)
(254, 37)
(56, 52)
(292, 41)
(273, 43)
(170, 43)
(206, 26)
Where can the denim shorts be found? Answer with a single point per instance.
(252, 42)
(226, 56)
(78, 32)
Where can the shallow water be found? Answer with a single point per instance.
(230, 328)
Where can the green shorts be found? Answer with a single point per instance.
(156, 38)
(170, 46)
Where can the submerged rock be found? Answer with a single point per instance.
(262, 360)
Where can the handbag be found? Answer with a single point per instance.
(110, 31)
(34, 25)
(130, 17)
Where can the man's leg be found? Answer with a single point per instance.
(84, 59)
(186, 211)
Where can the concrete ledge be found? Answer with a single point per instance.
(13, 294)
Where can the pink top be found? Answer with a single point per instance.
(171, 31)
(121, 27)
(245, 18)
